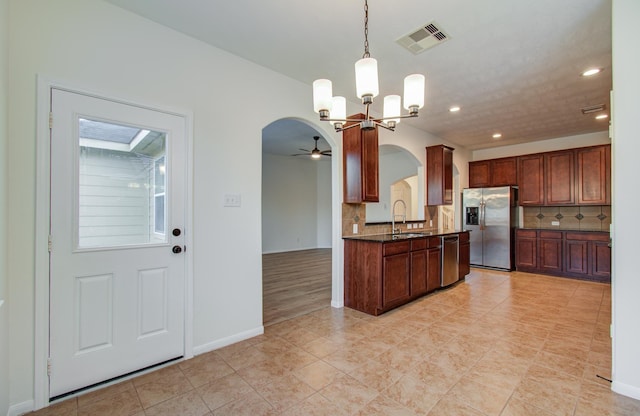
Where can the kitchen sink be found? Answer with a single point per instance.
(407, 235)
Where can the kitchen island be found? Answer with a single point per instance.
(384, 271)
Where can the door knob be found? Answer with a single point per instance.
(177, 249)
(176, 232)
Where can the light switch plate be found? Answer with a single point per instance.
(232, 200)
(355, 228)
(555, 222)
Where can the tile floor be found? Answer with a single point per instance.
(511, 344)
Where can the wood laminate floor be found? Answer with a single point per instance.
(295, 283)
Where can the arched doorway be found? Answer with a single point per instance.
(297, 219)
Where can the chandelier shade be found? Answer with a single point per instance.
(333, 109)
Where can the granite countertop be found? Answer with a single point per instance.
(382, 238)
(586, 230)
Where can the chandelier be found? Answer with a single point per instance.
(333, 109)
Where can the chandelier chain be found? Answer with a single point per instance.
(366, 30)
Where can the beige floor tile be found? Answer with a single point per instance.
(349, 394)
(449, 406)
(318, 374)
(224, 390)
(376, 374)
(600, 400)
(285, 392)
(250, 404)
(316, 405)
(384, 406)
(105, 393)
(120, 404)
(207, 370)
(517, 407)
(413, 394)
(189, 404)
(163, 389)
(490, 399)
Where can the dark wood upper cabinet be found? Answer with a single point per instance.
(531, 179)
(559, 175)
(439, 175)
(360, 164)
(479, 174)
(493, 172)
(594, 175)
(504, 171)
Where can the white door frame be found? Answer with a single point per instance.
(43, 190)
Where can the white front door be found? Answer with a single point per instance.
(117, 268)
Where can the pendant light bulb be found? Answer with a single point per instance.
(367, 77)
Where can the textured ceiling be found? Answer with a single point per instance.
(513, 66)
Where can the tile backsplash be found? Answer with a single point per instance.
(591, 218)
(356, 214)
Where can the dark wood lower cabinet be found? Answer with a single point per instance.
(379, 276)
(579, 254)
(464, 255)
(550, 251)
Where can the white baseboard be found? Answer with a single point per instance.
(626, 390)
(201, 349)
(21, 408)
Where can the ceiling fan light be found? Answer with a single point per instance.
(367, 77)
(322, 95)
(338, 109)
(392, 111)
(414, 91)
(315, 154)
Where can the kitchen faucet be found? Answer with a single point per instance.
(394, 215)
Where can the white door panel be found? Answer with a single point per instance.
(117, 192)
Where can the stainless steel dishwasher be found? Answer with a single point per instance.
(449, 260)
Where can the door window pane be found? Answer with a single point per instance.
(122, 173)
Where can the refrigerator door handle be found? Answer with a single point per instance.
(482, 207)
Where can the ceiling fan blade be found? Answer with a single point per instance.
(305, 150)
(326, 152)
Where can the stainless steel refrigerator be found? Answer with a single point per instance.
(491, 214)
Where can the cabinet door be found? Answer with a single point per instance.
(550, 251)
(560, 178)
(531, 179)
(601, 259)
(360, 165)
(439, 175)
(526, 252)
(594, 175)
(479, 176)
(464, 255)
(418, 273)
(433, 269)
(576, 256)
(396, 285)
(504, 171)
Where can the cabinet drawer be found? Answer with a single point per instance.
(433, 242)
(588, 236)
(418, 244)
(551, 234)
(526, 233)
(389, 249)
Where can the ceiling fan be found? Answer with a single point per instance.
(315, 153)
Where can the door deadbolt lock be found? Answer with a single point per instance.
(177, 249)
(176, 232)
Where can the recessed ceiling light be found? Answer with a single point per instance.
(454, 109)
(497, 135)
(601, 116)
(590, 72)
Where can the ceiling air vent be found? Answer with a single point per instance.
(423, 38)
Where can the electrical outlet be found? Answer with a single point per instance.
(420, 225)
(430, 223)
(557, 223)
(355, 228)
(409, 226)
(232, 200)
